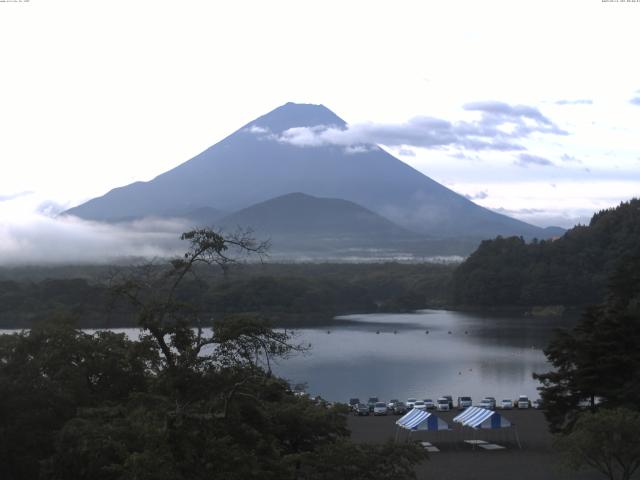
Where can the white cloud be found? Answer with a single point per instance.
(579, 101)
(478, 196)
(500, 127)
(44, 240)
(526, 159)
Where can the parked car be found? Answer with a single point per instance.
(486, 403)
(361, 409)
(410, 402)
(429, 403)
(399, 408)
(392, 403)
(420, 405)
(523, 402)
(450, 400)
(464, 402)
(506, 404)
(537, 403)
(380, 408)
(442, 404)
(492, 400)
(372, 403)
(353, 403)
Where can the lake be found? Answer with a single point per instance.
(393, 356)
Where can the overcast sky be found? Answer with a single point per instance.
(98, 94)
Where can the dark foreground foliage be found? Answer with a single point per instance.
(81, 406)
(606, 441)
(572, 270)
(597, 364)
(179, 403)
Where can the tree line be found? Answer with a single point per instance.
(286, 293)
(571, 270)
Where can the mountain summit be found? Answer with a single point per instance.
(257, 163)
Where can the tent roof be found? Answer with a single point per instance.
(478, 417)
(421, 420)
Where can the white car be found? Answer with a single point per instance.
(523, 401)
(486, 403)
(442, 405)
(429, 403)
(410, 402)
(506, 404)
(492, 402)
(420, 405)
(380, 408)
(464, 402)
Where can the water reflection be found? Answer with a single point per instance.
(392, 355)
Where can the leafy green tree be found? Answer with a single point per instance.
(349, 461)
(607, 441)
(50, 372)
(599, 360)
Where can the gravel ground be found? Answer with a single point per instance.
(458, 460)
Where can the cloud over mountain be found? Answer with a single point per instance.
(499, 128)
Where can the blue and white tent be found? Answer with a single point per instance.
(478, 417)
(421, 420)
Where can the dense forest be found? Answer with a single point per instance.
(571, 270)
(286, 293)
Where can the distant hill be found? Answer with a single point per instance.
(298, 213)
(303, 223)
(252, 165)
(572, 270)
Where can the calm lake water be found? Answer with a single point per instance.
(392, 356)
(483, 355)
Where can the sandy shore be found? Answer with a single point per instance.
(458, 460)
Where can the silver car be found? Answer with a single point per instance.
(506, 404)
(442, 404)
(420, 405)
(486, 403)
(380, 408)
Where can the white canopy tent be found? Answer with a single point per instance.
(422, 420)
(480, 418)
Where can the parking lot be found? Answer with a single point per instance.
(460, 460)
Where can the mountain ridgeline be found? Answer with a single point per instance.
(572, 270)
(253, 168)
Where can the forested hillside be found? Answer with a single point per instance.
(286, 293)
(571, 270)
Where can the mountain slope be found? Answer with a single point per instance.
(252, 166)
(301, 214)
